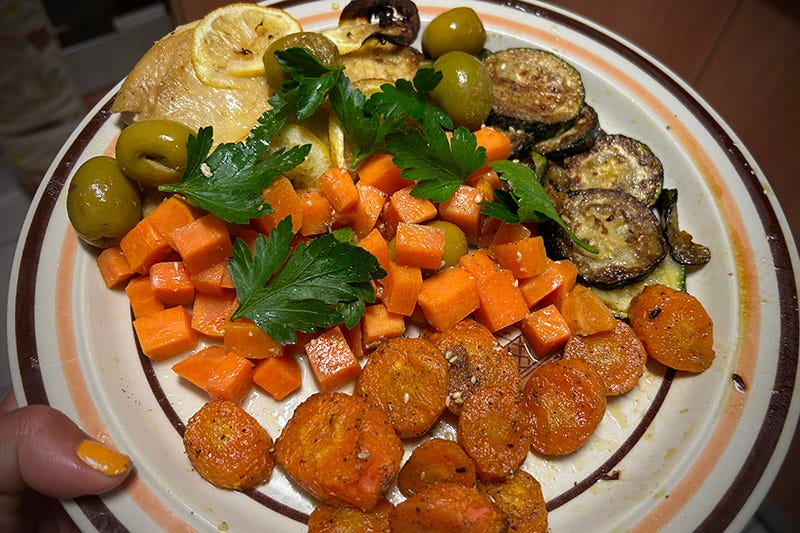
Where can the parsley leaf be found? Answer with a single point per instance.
(230, 181)
(526, 199)
(318, 284)
(312, 79)
(437, 164)
(405, 98)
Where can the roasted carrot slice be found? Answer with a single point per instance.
(436, 460)
(337, 519)
(618, 355)
(228, 447)
(520, 499)
(674, 327)
(494, 429)
(566, 400)
(476, 360)
(407, 378)
(447, 507)
(355, 454)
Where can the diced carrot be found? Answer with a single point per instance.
(419, 245)
(203, 242)
(333, 362)
(463, 209)
(144, 246)
(216, 279)
(485, 179)
(379, 324)
(510, 233)
(489, 228)
(198, 367)
(278, 376)
(248, 340)
(317, 212)
(339, 188)
(172, 283)
(496, 143)
(478, 263)
(284, 201)
(170, 214)
(211, 313)
(526, 258)
(501, 301)
(375, 244)
(232, 378)
(165, 333)
(222, 374)
(367, 210)
(355, 339)
(403, 207)
(550, 286)
(114, 267)
(380, 171)
(546, 330)
(448, 297)
(585, 313)
(142, 298)
(401, 287)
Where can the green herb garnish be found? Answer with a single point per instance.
(230, 181)
(316, 285)
(525, 200)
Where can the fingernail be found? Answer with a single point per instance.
(103, 459)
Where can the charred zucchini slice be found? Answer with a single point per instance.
(533, 90)
(617, 162)
(623, 229)
(681, 246)
(668, 272)
(577, 138)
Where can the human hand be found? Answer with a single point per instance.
(44, 456)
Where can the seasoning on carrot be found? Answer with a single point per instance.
(520, 499)
(566, 400)
(437, 460)
(674, 327)
(228, 447)
(211, 313)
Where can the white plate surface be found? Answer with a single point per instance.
(679, 452)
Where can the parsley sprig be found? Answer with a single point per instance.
(229, 182)
(315, 285)
(525, 200)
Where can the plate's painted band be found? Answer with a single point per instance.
(751, 471)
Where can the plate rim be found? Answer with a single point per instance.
(783, 256)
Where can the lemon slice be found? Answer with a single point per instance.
(318, 161)
(228, 43)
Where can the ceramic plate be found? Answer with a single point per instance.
(679, 452)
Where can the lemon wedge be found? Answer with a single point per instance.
(318, 161)
(229, 42)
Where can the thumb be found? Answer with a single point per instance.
(43, 449)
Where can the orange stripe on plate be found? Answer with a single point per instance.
(90, 419)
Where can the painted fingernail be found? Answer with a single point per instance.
(103, 459)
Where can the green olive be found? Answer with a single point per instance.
(153, 152)
(455, 242)
(465, 92)
(319, 45)
(102, 203)
(458, 29)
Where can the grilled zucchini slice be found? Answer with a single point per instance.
(668, 272)
(617, 162)
(533, 90)
(681, 246)
(576, 138)
(623, 229)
